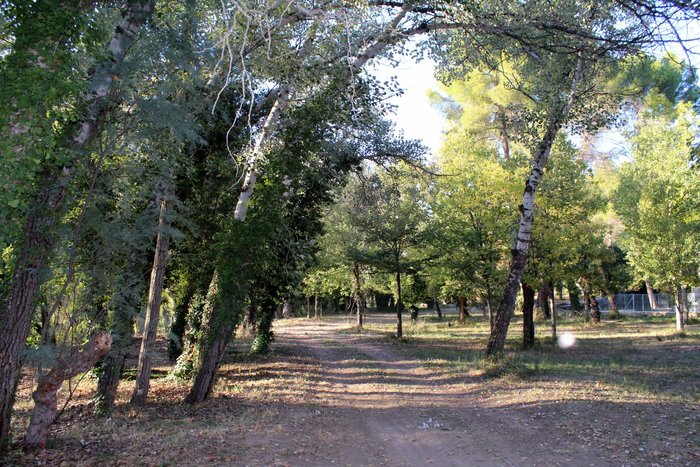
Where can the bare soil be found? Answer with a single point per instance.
(328, 395)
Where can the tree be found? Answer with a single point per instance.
(565, 239)
(393, 220)
(474, 214)
(658, 201)
(38, 237)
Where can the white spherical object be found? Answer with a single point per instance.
(566, 340)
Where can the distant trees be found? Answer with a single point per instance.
(658, 199)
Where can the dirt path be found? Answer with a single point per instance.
(362, 404)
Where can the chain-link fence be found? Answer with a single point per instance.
(640, 302)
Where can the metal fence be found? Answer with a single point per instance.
(640, 302)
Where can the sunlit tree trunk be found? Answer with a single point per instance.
(553, 312)
(613, 311)
(155, 295)
(68, 364)
(462, 307)
(521, 247)
(650, 293)
(684, 302)
(680, 322)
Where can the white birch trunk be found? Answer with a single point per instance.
(527, 209)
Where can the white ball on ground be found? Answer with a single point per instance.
(566, 340)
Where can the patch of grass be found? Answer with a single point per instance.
(507, 366)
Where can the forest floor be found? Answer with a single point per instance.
(627, 394)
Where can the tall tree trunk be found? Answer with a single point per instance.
(436, 304)
(315, 305)
(215, 338)
(650, 293)
(554, 312)
(287, 309)
(680, 322)
(595, 309)
(308, 307)
(489, 313)
(399, 307)
(613, 312)
(520, 250)
(68, 363)
(543, 311)
(462, 310)
(358, 295)
(587, 305)
(38, 242)
(528, 316)
(155, 295)
(684, 302)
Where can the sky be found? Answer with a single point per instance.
(418, 120)
(414, 115)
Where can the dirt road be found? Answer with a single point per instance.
(356, 402)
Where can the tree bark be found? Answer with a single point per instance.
(436, 304)
(521, 248)
(613, 312)
(308, 307)
(68, 364)
(595, 309)
(215, 338)
(528, 316)
(206, 373)
(399, 307)
(315, 305)
(680, 321)
(462, 310)
(358, 295)
(587, 305)
(489, 312)
(38, 242)
(684, 302)
(287, 309)
(554, 312)
(155, 295)
(652, 298)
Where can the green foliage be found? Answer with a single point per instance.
(658, 201)
(474, 212)
(566, 243)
